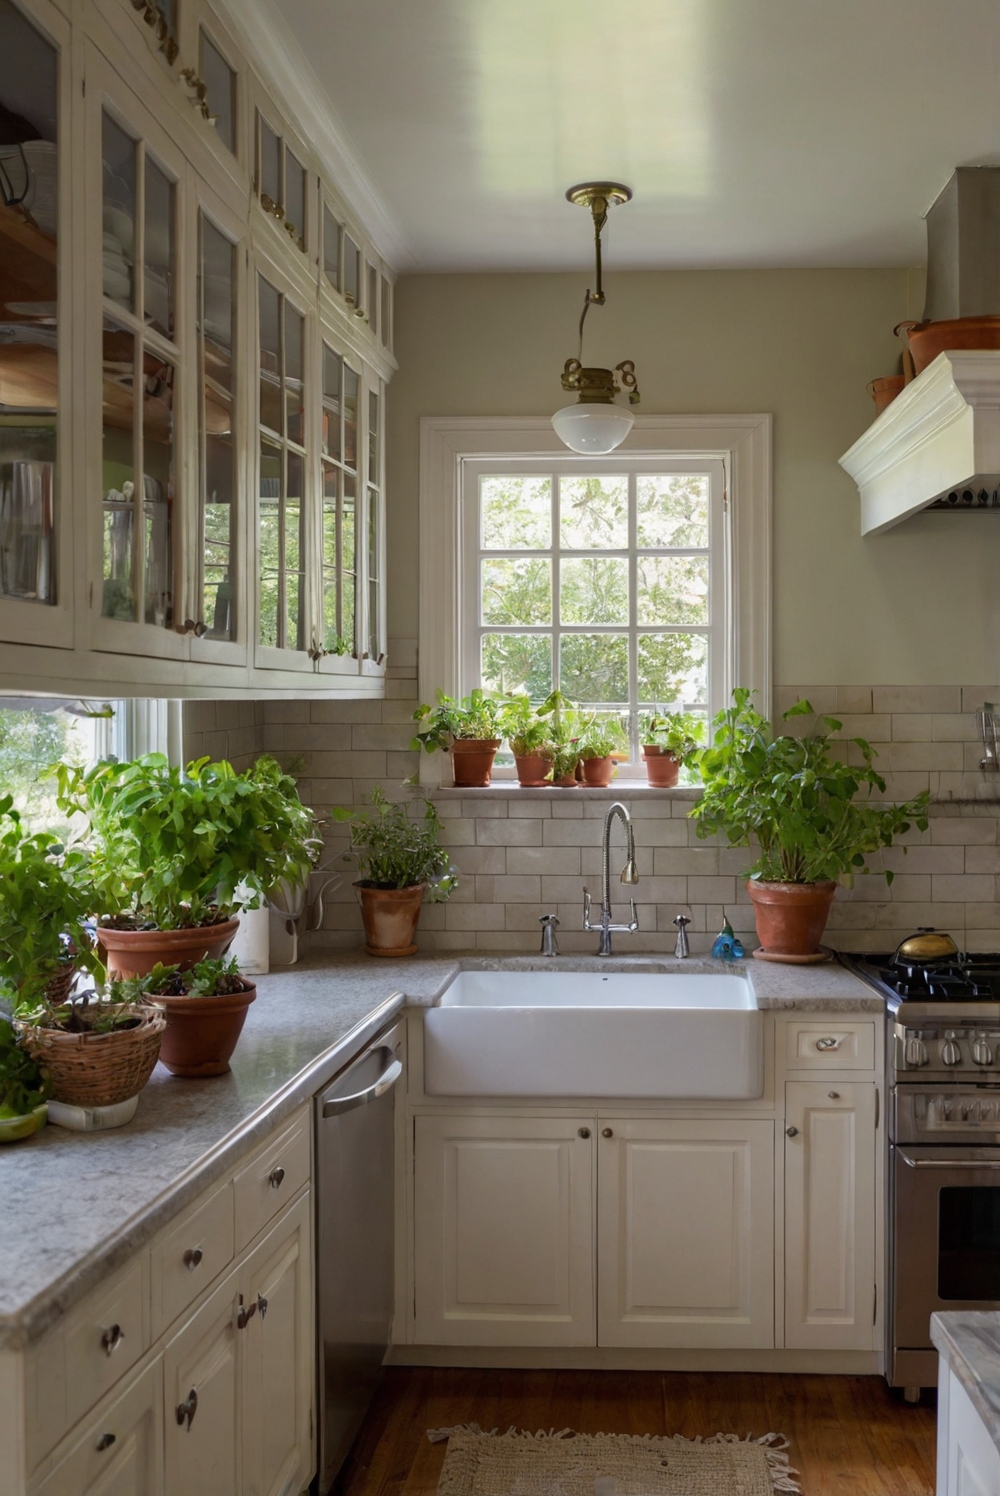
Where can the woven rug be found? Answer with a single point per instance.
(568, 1464)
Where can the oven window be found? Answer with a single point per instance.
(969, 1243)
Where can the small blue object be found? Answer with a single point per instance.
(727, 946)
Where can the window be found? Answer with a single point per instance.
(606, 579)
(612, 590)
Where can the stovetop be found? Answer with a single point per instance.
(968, 979)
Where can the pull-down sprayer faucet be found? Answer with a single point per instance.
(629, 875)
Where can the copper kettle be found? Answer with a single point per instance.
(927, 944)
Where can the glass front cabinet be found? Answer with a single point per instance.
(195, 343)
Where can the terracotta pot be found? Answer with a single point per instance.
(472, 761)
(598, 771)
(390, 916)
(134, 953)
(926, 340)
(567, 781)
(201, 1032)
(532, 769)
(884, 391)
(791, 917)
(662, 768)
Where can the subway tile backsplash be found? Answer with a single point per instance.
(522, 853)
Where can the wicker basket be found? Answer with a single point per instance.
(61, 985)
(98, 1069)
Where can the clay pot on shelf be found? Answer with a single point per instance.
(884, 391)
(202, 1032)
(662, 768)
(925, 340)
(134, 953)
(472, 761)
(598, 771)
(532, 769)
(791, 917)
(390, 918)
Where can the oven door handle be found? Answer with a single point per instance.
(943, 1163)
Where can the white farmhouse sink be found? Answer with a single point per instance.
(583, 1033)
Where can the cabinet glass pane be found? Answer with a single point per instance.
(28, 308)
(220, 85)
(295, 198)
(374, 475)
(350, 417)
(270, 356)
(119, 156)
(352, 271)
(374, 647)
(293, 372)
(331, 248)
(269, 542)
(332, 411)
(158, 251)
(119, 589)
(158, 384)
(268, 164)
(283, 492)
(293, 552)
(348, 569)
(216, 310)
(371, 298)
(385, 314)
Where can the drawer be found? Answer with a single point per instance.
(272, 1177)
(830, 1044)
(193, 1252)
(121, 1447)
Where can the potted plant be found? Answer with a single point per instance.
(809, 817)
(468, 729)
(529, 732)
(567, 725)
(24, 1087)
(205, 1008)
(97, 1051)
(602, 740)
(176, 855)
(401, 861)
(669, 741)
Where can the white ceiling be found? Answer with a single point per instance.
(753, 132)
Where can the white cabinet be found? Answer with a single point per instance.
(202, 1396)
(686, 1233)
(120, 1452)
(504, 1230)
(968, 1462)
(830, 1215)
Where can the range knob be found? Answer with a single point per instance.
(950, 1052)
(916, 1050)
(982, 1054)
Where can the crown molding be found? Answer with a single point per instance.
(282, 63)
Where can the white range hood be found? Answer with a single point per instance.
(938, 443)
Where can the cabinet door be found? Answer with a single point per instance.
(686, 1233)
(279, 1358)
(121, 1451)
(967, 1460)
(504, 1223)
(829, 1215)
(201, 1400)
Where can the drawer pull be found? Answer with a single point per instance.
(791, 1132)
(105, 1442)
(261, 1305)
(829, 1043)
(192, 1257)
(112, 1339)
(246, 1314)
(583, 1132)
(187, 1409)
(606, 1132)
(275, 1177)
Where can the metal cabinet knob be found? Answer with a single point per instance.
(583, 1132)
(187, 1409)
(791, 1132)
(606, 1132)
(105, 1442)
(275, 1177)
(261, 1305)
(833, 1095)
(192, 1257)
(246, 1313)
(829, 1043)
(112, 1339)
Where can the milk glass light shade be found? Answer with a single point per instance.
(592, 428)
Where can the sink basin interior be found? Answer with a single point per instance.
(595, 989)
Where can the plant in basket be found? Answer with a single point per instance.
(810, 818)
(468, 729)
(670, 740)
(603, 740)
(401, 862)
(24, 1086)
(175, 855)
(205, 1008)
(528, 730)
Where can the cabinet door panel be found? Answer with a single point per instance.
(121, 1451)
(830, 1216)
(203, 1453)
(968, 1463)
(685, 1234)
(504, 1231)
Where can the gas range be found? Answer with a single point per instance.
(945, 1015)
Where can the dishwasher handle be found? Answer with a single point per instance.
(385, 1083)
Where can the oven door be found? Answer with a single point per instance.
(946, 1236)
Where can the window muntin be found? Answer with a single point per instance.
(605, 578)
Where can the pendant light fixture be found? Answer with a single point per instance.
(595, 423)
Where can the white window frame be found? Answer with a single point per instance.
(449, 445)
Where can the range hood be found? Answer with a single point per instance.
(937, 446)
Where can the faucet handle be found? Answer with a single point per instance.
(548, 919)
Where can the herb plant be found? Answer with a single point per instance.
(528, 729)
(603, 736)
(213, 977)
(393, 849)
(174, 849)
(23, 1085)
(681, 734)
(808, 816)
(476, 717)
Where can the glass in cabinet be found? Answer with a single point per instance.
(282, 542)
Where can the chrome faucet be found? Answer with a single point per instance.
(548, 923)
(682, 947)
(629, 875)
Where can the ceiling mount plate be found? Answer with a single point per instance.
(584, 193)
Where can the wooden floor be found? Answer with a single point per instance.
(848, 1435)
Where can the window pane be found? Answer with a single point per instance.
(350, 417)
(295, 197)
(268, 166)
(351, 270)
(158, 251)
(119, 152)
(516, 590)
(371, 298)
(515, 513)
(220, 95)
(373, 434)
(331, 248)
(270, 356)
(593, 512)
(672, 510)
(673, 667)
(332, 367)
(347, 525)
(518, 662)
(158, 487)
(593, 590)
(217, 299)
(293, 512)
(594, 667)
(672, 589)
(118, 598)
(348, 582)
(385, 315)
(269, 542)
(294, 396)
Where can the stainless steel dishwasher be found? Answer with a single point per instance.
(354, 1240)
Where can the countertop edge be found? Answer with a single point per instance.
(17, 1332)
(946, 1334)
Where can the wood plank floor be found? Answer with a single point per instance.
(849, 1435)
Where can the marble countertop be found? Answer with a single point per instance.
(969, 1344)
(75, 1206)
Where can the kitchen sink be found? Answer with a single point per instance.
(659, 1035)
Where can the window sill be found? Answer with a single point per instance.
(503, 790)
